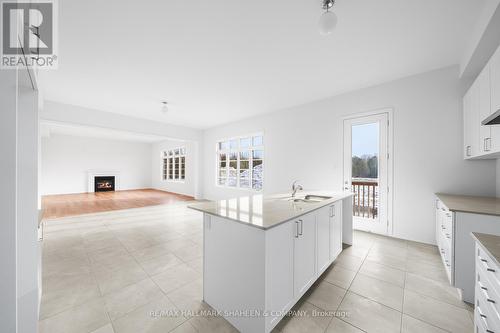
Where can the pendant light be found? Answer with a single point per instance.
(327, 20)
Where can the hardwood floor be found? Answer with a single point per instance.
(56, 206)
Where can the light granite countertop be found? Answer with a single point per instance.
(470, 204)
(266, 211)
(490, 244)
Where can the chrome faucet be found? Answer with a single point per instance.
(296, 187)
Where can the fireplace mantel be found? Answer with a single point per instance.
(91, 174)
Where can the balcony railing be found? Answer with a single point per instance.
(365, 199)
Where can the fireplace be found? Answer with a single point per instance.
(104, 183)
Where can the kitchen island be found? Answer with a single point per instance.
(262, 253)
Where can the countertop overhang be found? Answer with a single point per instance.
(267, 211)
(490, 244)
(471, 204)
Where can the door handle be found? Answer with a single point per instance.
(301, 227)
(296, 229)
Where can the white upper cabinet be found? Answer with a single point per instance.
(482, 99)
(483, 86)
(471, 121)
(467, 126)
(495, 81)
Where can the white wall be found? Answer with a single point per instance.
(188, 186)
(305, 142)
(66, 160)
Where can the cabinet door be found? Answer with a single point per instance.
(323, 228)
(495, 99)
(495, 81)
(474, 119)
(467, 125)
(483, 86)
(304, 269)
(279, 269)
(336, 221)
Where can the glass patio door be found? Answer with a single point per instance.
(366, 170)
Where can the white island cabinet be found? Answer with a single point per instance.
(261, 254)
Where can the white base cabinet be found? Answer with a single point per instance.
(487, 296)
(453, 237)
(255, 276)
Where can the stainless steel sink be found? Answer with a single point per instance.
(311, 198)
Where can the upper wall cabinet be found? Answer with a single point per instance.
(484, 89)
(495, 81)
(482, 99)
(471, 122)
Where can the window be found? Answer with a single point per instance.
(174, 164)
(240, 162)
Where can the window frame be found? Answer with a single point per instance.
(238, 150)
(168, 157)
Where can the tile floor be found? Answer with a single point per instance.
(133, 270)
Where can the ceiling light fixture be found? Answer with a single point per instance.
(164, 107)
(327, 20)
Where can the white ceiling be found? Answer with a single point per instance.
(218, 61)
(48, 129)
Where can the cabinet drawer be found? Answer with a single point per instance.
(481, 321)
(446, 255)
(448, 222)
(488, 300)
(488, 266)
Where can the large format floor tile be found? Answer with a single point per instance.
(380, 291)
(157, 317)
(339, 326)
(384, 273)
(141, 270)
(83, 318)
(176, 277)
(412, 325)
(369, 315)
(304, 320)
(339, 276)
(440, 314)
(325, 295)
(125, 300)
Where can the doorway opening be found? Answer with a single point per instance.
(367, 171)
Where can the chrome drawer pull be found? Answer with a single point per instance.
(490, 300)
(483, 260)
(490, 270)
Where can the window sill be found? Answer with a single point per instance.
(174, 181)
